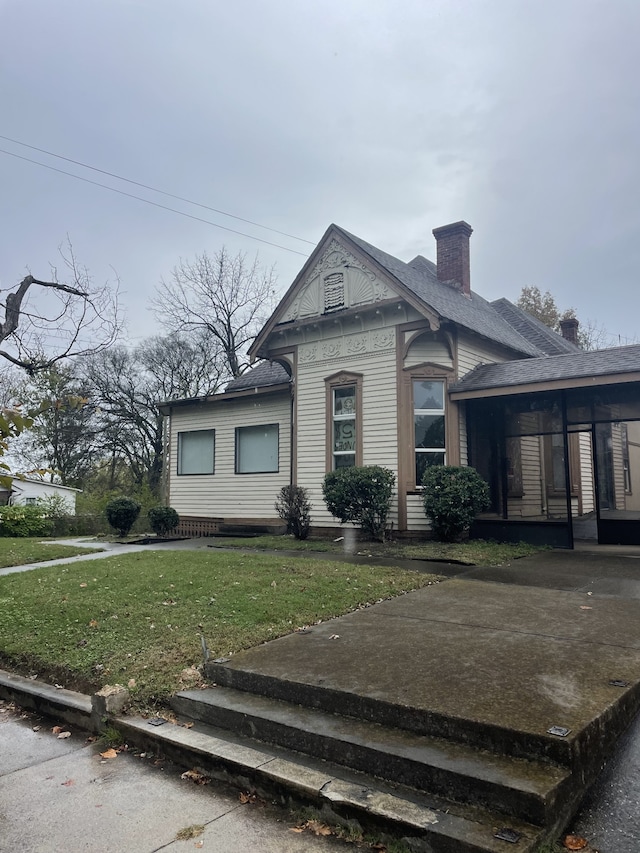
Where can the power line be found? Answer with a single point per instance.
(153, 203)
(153, 189)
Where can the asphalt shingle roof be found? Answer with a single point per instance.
(550, 342)
(578, 365)
(265, 373)
(474, 312)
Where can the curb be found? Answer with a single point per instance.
(341, 797)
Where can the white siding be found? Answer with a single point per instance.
(26, 491)
(225, 494)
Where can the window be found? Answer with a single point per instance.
(344, 426)
(428, 422)
(257, 449)
(196, 451)
(31, 501)
(344, 420)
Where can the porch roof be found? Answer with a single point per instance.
(580, 369)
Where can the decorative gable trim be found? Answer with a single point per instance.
(338, 280)
(365, 282)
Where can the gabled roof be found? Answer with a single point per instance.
(595, 365)
(550, 342)
(473, 312)
(263, 374)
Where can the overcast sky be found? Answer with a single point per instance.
(387, 118)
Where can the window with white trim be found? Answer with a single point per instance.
(31, 501)
(428, 425)
(196, 451)
(257, 449)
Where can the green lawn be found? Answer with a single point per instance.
(140, 616)
(476, 552)
(20, 552)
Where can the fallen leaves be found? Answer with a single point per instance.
(574, 842)
(246, 797)
(315, 826)
(63, 735)
(196, 777)
(109, 753)
(334, 637)
(189, 832)
(68, 783)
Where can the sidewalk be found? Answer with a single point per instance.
(59, 796)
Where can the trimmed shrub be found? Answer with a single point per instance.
(163, 520)
(21, 520)
(362, 496)
(453, 496)
(122, 514)
(292, 505)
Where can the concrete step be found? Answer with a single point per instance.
(530, 791)
(420, 721)
(339, 795)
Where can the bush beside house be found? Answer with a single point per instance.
(453, 496)
(361, 495)
(122, 514)
(293, 507)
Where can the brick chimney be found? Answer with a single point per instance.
(569, 329)
(452, 255)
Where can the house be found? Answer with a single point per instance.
(26, 491)
(371, 360)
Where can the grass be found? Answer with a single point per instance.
(137, 619)
(20, 551)
(476, 552)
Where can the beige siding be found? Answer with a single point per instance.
(618, 471)
(225, 494)
(586, 472)
(531, 504)
(473, 351)
(373, 357)
(428, 347)
(416, 519)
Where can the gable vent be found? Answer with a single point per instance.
(333, 291)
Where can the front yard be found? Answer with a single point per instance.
(22, 551)
(474, 552)
(137, 619)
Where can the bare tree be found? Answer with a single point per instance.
(228, 296)
(128, 386)
(46, 321)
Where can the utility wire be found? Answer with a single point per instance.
(153, 189)
(154, 203)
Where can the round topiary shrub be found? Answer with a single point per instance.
(361, 495)
(452, 498)
(122, 514)
(163, 520)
